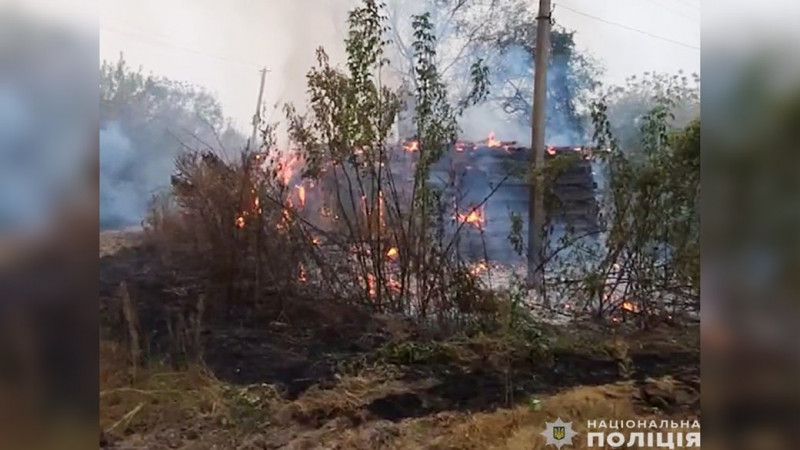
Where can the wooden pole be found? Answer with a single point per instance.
(536, 210)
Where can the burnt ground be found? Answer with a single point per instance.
(305, 354)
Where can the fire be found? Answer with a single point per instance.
(628, 306)
(377, 212)
(394, 285)
(479, 268)
(301, 195)
(287, 168)
(411, 146)
(381, 208)
(302, 275)
(371, 285)
(392, 253)
(459, 146)
(491, 142)
(551, 151)
(239, 222)
(314, 240)
(474, 218)
(286, 215)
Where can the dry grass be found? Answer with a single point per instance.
(350, 394)
(203, 412)
(520, 427)
(159, 397)
(112, 241)
(517, 428)
(190, 408)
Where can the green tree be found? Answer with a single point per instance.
(629, 104)
(344, 135)
(651, 254)
(502, 34)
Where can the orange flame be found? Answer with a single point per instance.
(551, 151)
(239, 222)
(392, 253)
(411, 146)
(381, 207)
(315, 240)
(287, 168)
(371, 285)
(491, 142)
(628, 306)
(474, 218)
(479, 268)
(286, 215)
(302, 275)
(301, 195)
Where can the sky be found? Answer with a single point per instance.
(221, 45)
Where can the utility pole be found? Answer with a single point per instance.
(536, 210)
(257, 117)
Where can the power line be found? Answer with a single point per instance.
(689, 4)
(154, 40)
(647, 33)
(677, 13)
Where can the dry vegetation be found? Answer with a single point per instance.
(189, 408)
(330, 377)
(315, 297)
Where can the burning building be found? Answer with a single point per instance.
(486, 181)
(481, 184)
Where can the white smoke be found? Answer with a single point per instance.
(127, 180)
(459, 34)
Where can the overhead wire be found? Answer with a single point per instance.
(690, 4)
(677, 13)
(627, 27)
(155, 40)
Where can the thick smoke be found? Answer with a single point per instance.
(141, 132)
(516, 79)
(131, 173)
(471, 31)
(323, 25)
(127, 181)
(629, 104)
(145, 123)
